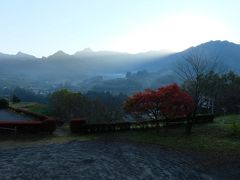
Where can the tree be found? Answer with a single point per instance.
(96, 107)
(144, 105)
(224, 89)
(175, 102)
(4, 104)
(15, 99)
(67, 105)
(28, 95)
(196, 64)
(105, 107)
(169, 102)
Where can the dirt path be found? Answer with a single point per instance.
(101, 159)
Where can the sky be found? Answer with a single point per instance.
(42, 27)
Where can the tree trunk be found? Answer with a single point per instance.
(166, 126)
(189, 125)
(190, 120)
(188, 129)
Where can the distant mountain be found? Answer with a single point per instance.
(18, 56)
(84, 52)
(24, 56)
(4, 56)
(226, 52)
(61, 66)
(59, 55)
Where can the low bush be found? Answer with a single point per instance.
(4, 104)
(235, 129)
(24, 126)
(76, 125)
(42, 124)
(15, 99)
(49, 125)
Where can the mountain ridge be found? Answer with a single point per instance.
(106, 71)
(87, 51)
(61, 65)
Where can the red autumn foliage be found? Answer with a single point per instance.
(169, 101)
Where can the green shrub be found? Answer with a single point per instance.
(4, 103)
(15, 99)
(235, 129)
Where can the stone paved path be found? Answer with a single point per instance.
(99, 159)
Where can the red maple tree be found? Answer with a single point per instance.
(144, 104)
(168, 102)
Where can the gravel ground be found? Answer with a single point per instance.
(104, 159)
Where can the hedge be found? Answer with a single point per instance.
(43, 124)
(80, 125)
(46, 126)
(4, 104)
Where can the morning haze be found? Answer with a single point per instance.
(119, 89)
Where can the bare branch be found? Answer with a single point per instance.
(196, 64)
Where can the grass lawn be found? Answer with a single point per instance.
(213, 137)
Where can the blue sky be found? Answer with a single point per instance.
(42, 27)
